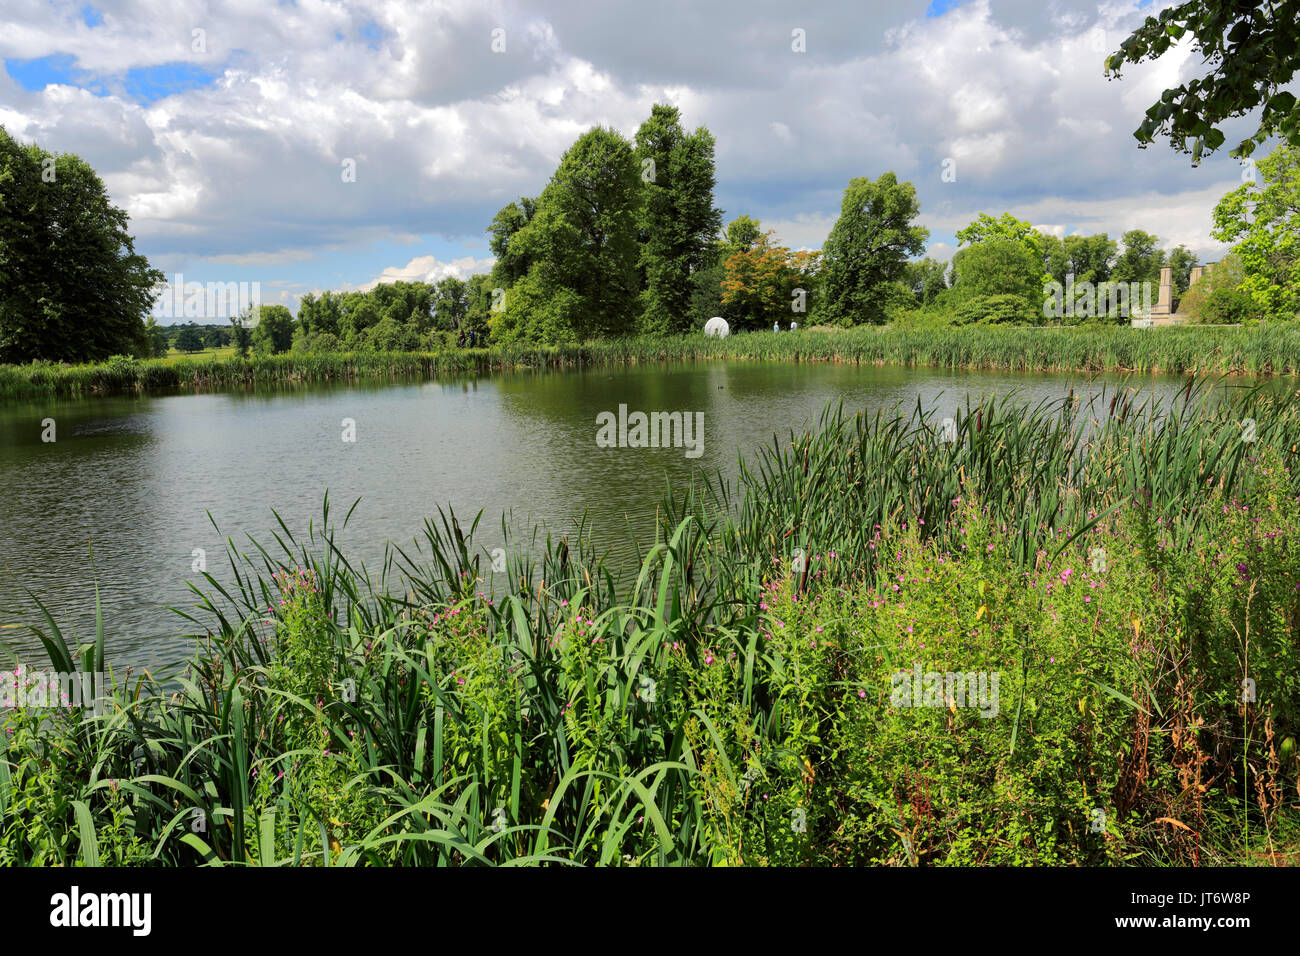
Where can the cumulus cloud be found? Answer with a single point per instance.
(429, 269)
(320, 128)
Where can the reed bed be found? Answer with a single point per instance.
(731, 703)
(1263, 350)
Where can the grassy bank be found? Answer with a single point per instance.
(1121, 571)
(1266, 350)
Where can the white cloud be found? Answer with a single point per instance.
(444, 131)
(430, 269)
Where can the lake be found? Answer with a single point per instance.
(136, 477)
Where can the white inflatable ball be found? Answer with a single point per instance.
(717, 326)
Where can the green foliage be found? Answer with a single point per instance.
(273, 333)
(926, 279)
(999, 267)
(156, 337)
(241, 332)
(738, 702)
(189, 340)
(743, 233)
(1006, 227)
(72, 287)
(1252, 48)
(920, 339)
(999, 308)
(1141, 259)
(452, 303)
(1217, 297)
(867, 250)
(581, 243)
(677, 219)
(1263, 218)
(1181, 261)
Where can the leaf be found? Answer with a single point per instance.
(89, 842)
(1283, 102)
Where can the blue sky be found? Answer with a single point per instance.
(224, 129)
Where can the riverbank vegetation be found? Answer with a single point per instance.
(1123, 580)
(1198, 350)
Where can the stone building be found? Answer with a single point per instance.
(1166, 309)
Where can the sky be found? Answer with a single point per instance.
(320, 144)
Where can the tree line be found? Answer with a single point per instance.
(625, 239)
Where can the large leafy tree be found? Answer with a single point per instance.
(868, 248)
(1006, 226)
(760, 283)
(1089, 258)
(511, 263)
(582, 246)
(273, 333)
(72, 287)
(452, 303)
(926, 278)
(1263, 219)
(1141, 259)
(1218, 297)
(1251, 49)
(743, 233)
(189, 339)
(1181, 260)
(678, 221)
(1000, 268)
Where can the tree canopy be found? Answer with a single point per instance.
(72, 287)
(1252, 50)
(867, 250)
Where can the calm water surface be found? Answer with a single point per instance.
(137, 477)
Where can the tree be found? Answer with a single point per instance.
(1252, 48)
(743, 233)
(1217, 297)
(868, 248)
(319, 314)
(189, 339)
(1089, 258)
(582, 246)
(72, 287)
(452, 303)
(1055, 262)
(761, 284)
(1263, 219)
(677, 218)
(390, 335)
(1181, 262)
(1140, 261)
(240, 332)
(926, 279)
(996, 309)
(511, 265)
(1006, 226)
(156, 337)
(273, 333)
(999, 267)
(478, 308)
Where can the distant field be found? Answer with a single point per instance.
(172, 357)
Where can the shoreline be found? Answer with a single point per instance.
(1263, 351)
